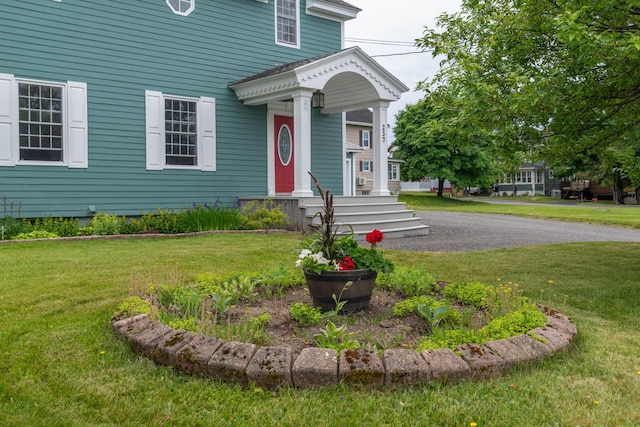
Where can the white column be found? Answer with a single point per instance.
(302, 144)
(380, 131)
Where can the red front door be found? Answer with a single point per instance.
(283, 128)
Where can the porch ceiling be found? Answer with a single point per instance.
(350, 80)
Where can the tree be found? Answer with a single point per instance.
(565, 71)
(427, 151)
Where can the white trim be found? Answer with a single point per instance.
(187, 12)
(154, 122)
(274, 109)
(368, 132)
(207, 134)
(8, 119)
(366, 83)
(290, 133)
(74, 123)
(155, 132)
(332, 11)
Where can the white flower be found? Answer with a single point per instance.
(304, 253)
(320, 259)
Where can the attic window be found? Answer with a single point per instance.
(181, 7)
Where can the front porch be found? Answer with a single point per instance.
(359, 214)
(330, 84)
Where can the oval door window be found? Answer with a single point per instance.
(284, 145)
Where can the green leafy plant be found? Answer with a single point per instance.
(410, 305)
(471, 293)
(221, 304)
(276, 280)
(336, 338)
(442, 314)
(408, 281)
(235, 285)
(450, 338)
(305, 314)
(514, 323)
(250, 330)
(36, 234)
(132, 306)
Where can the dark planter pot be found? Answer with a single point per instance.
(323, 286)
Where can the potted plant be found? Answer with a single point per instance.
(337, 268)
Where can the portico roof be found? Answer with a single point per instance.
(349, 78)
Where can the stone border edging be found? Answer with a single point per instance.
(273, 367)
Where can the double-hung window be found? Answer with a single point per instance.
(365, 139)
(180, 132)
(394, 175)
(287, 22)
(366, 166)
(43, 123)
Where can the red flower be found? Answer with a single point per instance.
(375, 236)
(346, 263)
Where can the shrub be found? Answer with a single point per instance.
(163, 221)
(66, 227)
(256, 216)
(105, 224)
(130, 226)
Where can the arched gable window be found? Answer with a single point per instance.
(182, 7)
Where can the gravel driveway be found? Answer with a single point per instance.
(458, 232)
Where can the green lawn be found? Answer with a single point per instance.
(538, 207)
(61, 366)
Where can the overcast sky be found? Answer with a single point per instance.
(398, 21)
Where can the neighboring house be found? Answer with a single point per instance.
(531, 179)
(427, 184)
(360, 150)
(127, 106)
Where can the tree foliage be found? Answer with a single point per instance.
(563, 74)
(429, 152)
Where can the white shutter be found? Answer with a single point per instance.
(7, 125)
(154, 116)
(207, 124)
(77, 133)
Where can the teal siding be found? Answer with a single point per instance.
(122, 48)
(327, 146)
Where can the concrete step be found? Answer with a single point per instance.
(360, 209)
(364, 214)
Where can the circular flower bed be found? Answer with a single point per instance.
(411, 317)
